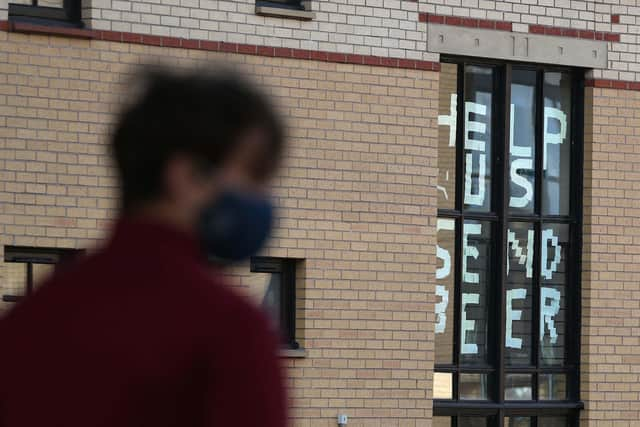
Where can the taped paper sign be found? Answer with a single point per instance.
(477, 146)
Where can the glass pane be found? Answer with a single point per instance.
(476, 266)
(13, 283)
(519, 298)
(554, 247)
(517, 422)
(264, 289)
(552, 387)
(51, 3)
(447, 124)
(441, 422)
(41, 272)
(472, 422)
(518, 387)
(445, 252)
(556, 155)
(552, 422)
(478, 92)
(522, 142)
(442, 385)
(472, 386)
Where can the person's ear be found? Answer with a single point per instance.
(186, 186)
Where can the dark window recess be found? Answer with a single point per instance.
(65, 13)
(509, 236)
(273, 286)
(286, 4)
(25, 268)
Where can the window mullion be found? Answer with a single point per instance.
(502, 149)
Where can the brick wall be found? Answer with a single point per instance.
(611, 267)
(357, 198)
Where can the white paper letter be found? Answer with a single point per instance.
(468, 325)
(522, 257)
(441, 253)
(548, 311)
(473, 126)
(547, 236)
(524, 200)
(451, 119)
(551, 113)
(441, 309)
(469, 251)
(516, 150)
(512, 315)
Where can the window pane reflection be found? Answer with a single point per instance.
(472, 422)
(447, 126)
(552, 422)
(445, 252)
(553, 270)
(552, 387)
(476, 265)
(13, 282)
(518, 387)
(556, 156)
(518, 294)
(473, 386)
(478, 92)
(522, 142)
(442, 385)
(264, 289)
(517, 422)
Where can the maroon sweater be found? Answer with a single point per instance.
(139, 335)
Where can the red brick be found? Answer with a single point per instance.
(151, 40)
(586, 34)
(171, 41)
(484, 23)
(553, 31)
(600, 35)
(470, 22)
(602, 83)
(112, 36)
(190, 44)
(132, 37)
(266, 51)
(355, 59)
(536, 29)
(4, 25)
(336, 57)
(615, 19)
(372, 60)
(319, 55)
(634, 85)
(422, 17)
(435, 19)
(283, 52)
(389, 62)
(617, 84)
(453, 20)
(569, 32)
(249, 49)
(209, 45)
(611, 37)
(504, 26)
(407, 63)
(228, 47)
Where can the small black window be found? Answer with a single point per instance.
(24, 268)
(66, 13)
(287, 4)
(273, 286)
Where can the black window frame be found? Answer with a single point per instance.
(69, 15)
(283, 4)
(496, 408)
(36, 255)
(286, 267)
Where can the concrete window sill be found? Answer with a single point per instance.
(282, 12)
(288, 353)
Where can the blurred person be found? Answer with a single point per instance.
(141, 333)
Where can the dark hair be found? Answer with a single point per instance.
(198, 113)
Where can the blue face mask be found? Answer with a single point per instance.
(235, 226)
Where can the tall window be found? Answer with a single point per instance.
(273, 287)
(66, 13)
(508, 246)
